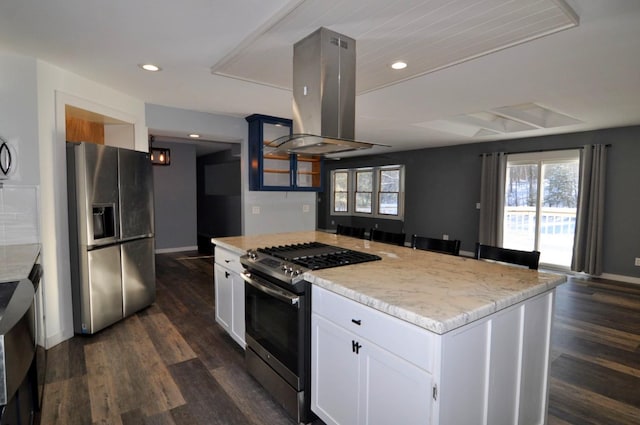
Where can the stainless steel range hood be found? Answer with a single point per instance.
(324, 96)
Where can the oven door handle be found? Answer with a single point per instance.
(270, 289)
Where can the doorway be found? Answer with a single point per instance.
(541, 198)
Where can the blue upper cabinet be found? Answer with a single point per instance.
(270, 170)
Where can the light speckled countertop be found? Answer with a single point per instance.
(437, 292)
(16, 261)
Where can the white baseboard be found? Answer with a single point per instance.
(182, 248)
(469, 254)
(55, 339)
(621, 278)
(608, 276)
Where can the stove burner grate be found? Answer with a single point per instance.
(316, 255)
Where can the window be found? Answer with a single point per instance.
(340, 186)
(541, 197)
(389, 195)
(369, 192)
(364, 189)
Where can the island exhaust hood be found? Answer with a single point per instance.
(324, 96)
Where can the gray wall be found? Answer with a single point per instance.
(443, 185)
(175, 198)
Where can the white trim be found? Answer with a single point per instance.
(607, 276)
(375, 193)
(550, 156)
(348, 192)
(620, 278)
(178, 249)
(57, 338)
(469, 254)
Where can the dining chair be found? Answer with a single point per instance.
(356, 232)
(436, 245)
(530, 259)
(387, 237)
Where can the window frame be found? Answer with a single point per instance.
(333, 191)
(372, 193)
(375, 193)
(540, 159)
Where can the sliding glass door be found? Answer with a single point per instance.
(541, 197)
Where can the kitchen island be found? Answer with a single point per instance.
(445, 339)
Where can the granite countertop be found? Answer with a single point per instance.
(16, 261)
(437, 292)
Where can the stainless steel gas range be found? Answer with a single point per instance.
(278, 317)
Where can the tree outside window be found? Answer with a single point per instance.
(340, 191)
(364, 189)
(371, 191)
(541, 193)
(389, 192)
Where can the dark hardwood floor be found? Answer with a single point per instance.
(172, 364)
(169, 364)
(595, 368)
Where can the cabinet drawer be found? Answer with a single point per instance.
(228, 259)
(408, 341)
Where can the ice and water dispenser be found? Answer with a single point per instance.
(104, 225)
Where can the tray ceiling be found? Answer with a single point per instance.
(428, 35)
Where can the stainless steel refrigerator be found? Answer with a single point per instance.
(111, 234)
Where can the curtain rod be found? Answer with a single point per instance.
(608, 145)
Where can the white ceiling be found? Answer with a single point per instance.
(589, 74)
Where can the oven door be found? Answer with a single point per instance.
(274, 325)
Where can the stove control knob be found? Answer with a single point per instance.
(297, 272)
(290, 269)
(252, 254)
(283, 267)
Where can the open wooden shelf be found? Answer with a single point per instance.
(273, 170)
(277, 156)
(308, 158)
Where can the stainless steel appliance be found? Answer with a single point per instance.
(110, 194)
(17, 352)
(324, 96)
(278, 317)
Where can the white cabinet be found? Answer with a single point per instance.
(229, 294)
(368, 367)
(334, 366)
(358, 374)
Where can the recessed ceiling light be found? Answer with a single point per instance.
(399, 65)
(150, 67)
(194, 135)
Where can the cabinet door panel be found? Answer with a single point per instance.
(334, 373)
(224, 297)
(538, 315)
(463, 378)
(237, 321)
(394, 391)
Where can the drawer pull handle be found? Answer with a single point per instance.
(355, 347)
(227, 261)
(226, 275)
(357, 322)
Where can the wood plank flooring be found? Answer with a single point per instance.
(171, 364)
(595, 371)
